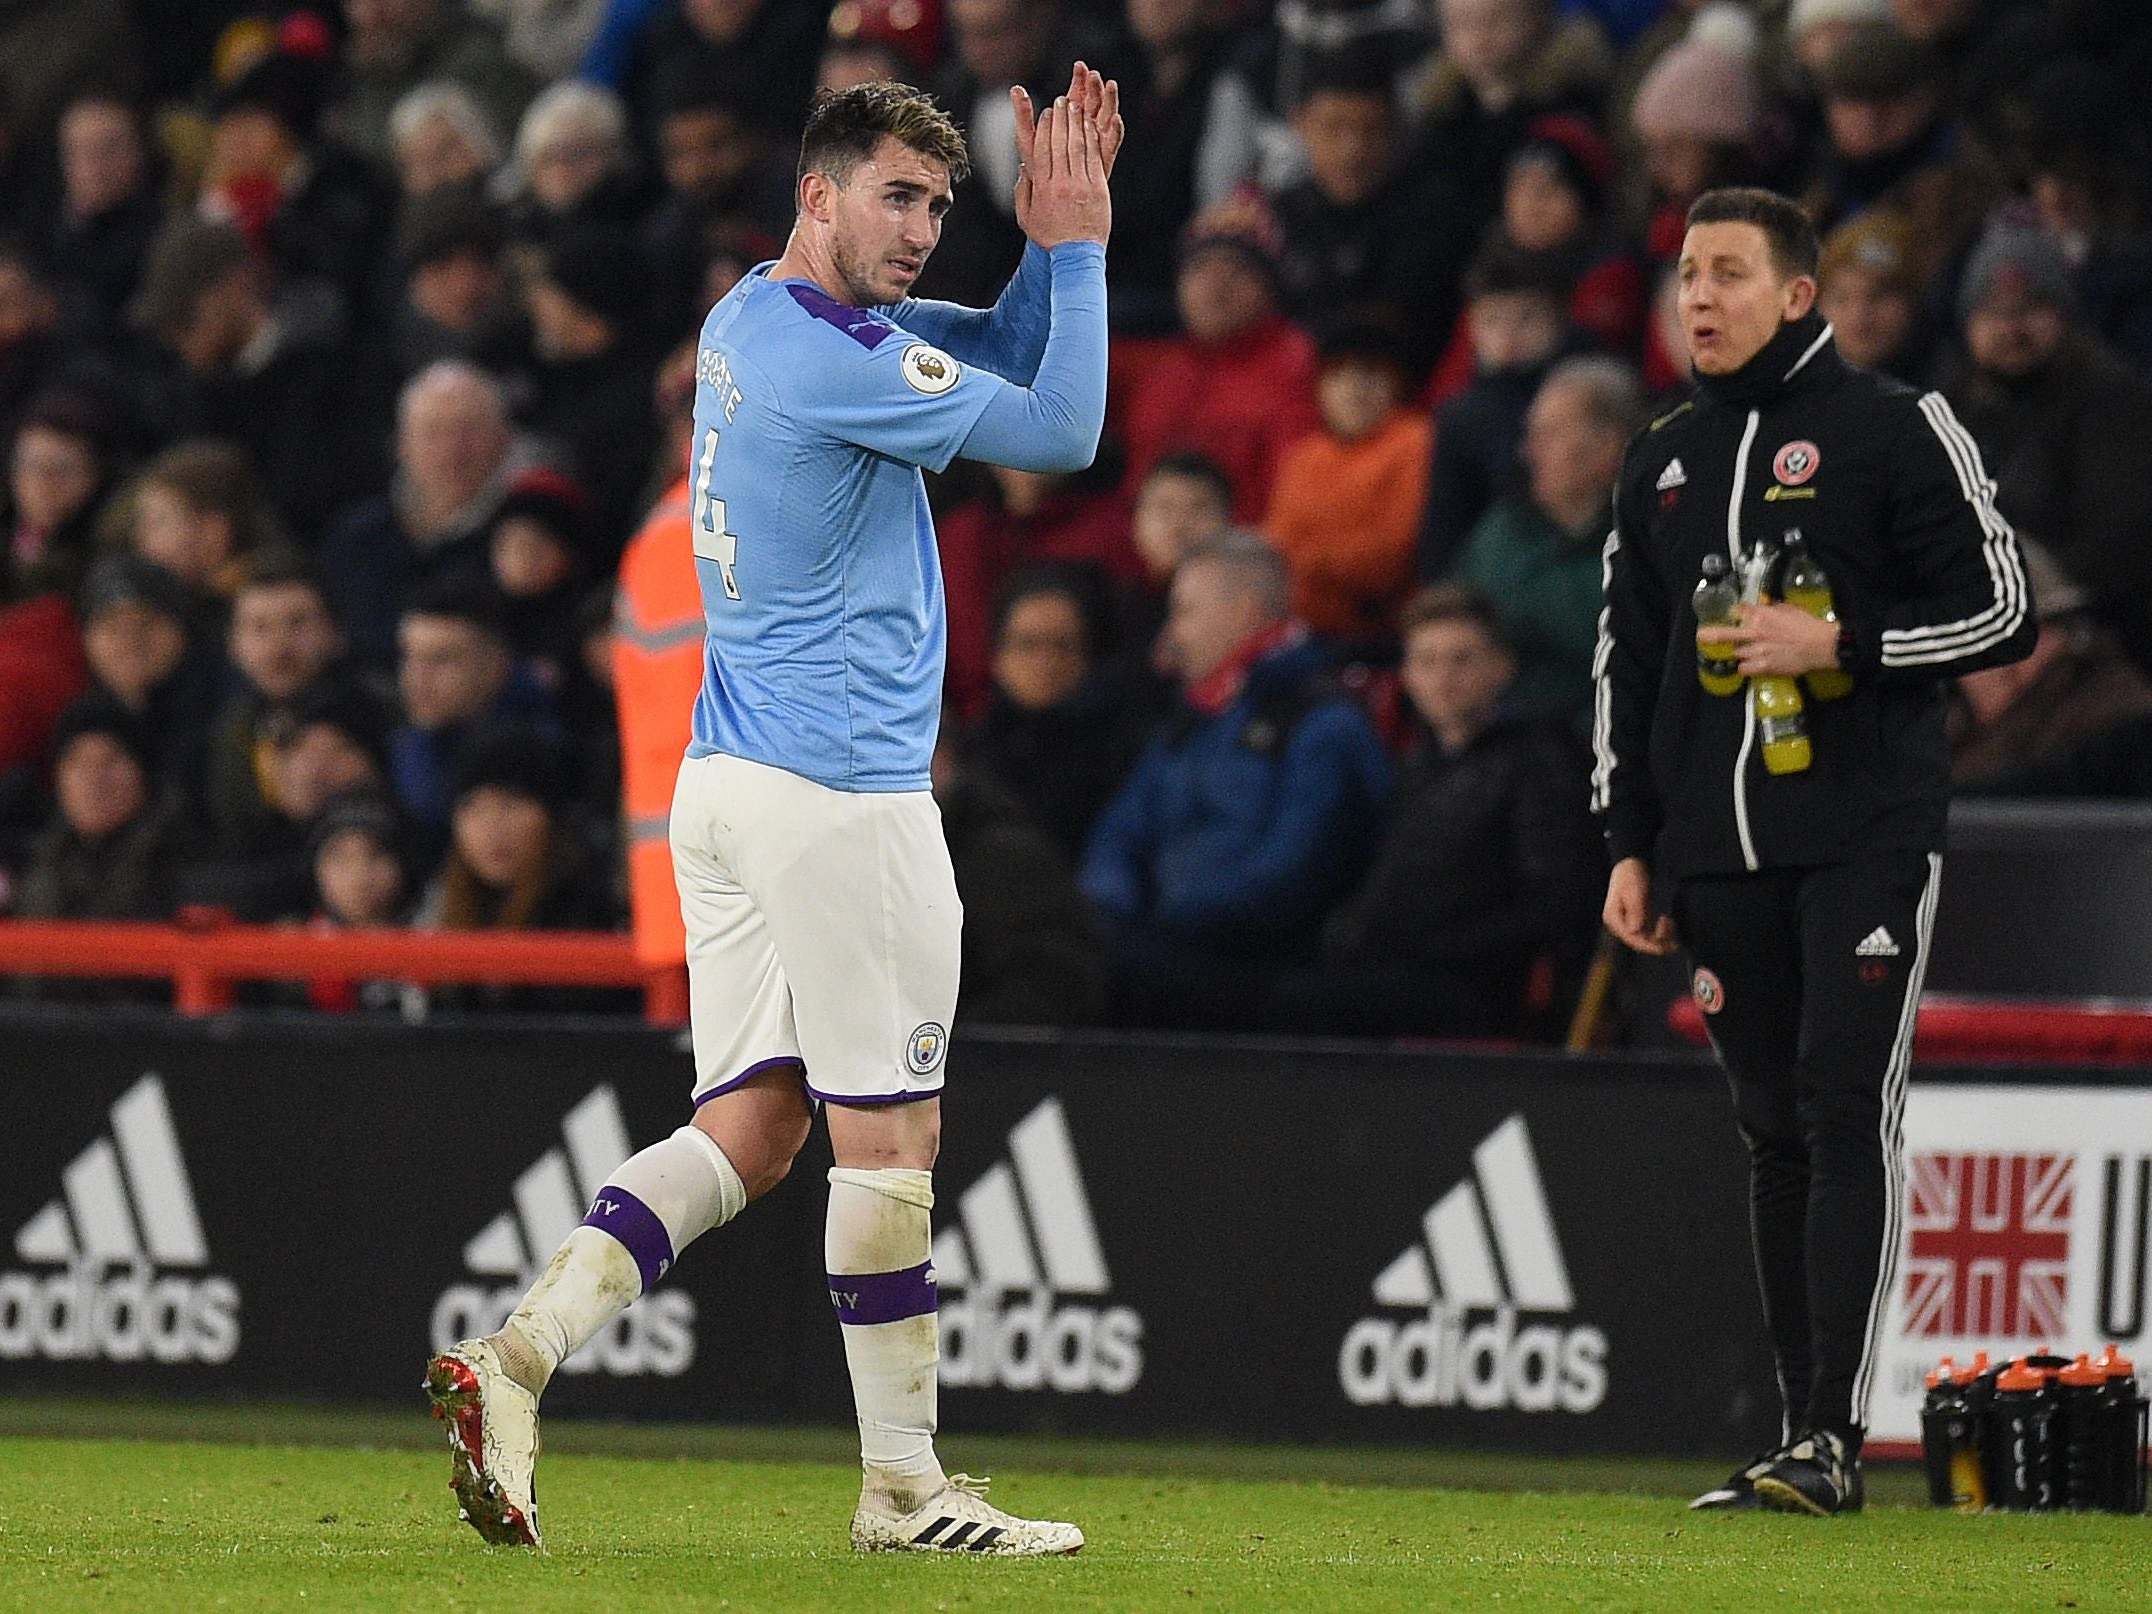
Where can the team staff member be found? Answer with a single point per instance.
(1805, 899)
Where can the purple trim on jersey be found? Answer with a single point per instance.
(863, 325)
(619, 1213)
(908, 1096)
(884, 1297)
(754, 1070)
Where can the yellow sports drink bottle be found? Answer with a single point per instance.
(1781, 720)
(1806, 585)
(1717, 600)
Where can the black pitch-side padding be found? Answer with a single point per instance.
(1608, 1194)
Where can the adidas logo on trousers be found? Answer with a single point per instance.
(1027, 1240)
(655, 1335)
(126, 1211)
(1488, 1255)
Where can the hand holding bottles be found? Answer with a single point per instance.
(1774, 639)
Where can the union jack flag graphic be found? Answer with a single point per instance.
(1988, 1255)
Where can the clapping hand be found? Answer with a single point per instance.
(1091, 99)
(1068, 198)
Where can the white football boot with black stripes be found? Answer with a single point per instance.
(960, 1519)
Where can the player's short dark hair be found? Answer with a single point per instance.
(1795, 249)
(1196, 467)
(1454, 602)
(844, 127)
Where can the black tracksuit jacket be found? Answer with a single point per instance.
(1889, 492)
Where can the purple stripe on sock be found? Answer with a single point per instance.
(747, 1075)
(636, 1226)
(884, 1297)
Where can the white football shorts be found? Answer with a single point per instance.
(822, 931)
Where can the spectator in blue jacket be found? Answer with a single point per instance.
(456, 675)
(1249, 814)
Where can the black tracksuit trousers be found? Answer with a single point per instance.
(1808, 979)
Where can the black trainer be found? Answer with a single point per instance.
(1739, 1491)
(1817, 1474)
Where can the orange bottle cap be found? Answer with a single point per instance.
(1980, 1363)
(2114, 1364)
(2083, 1373)
(2017, 1376)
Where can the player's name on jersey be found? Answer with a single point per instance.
(714, 371)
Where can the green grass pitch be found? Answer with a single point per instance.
(111, 1508)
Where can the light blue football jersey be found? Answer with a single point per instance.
(821, 585)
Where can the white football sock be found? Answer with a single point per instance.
(651, 1208)
(878, 1245)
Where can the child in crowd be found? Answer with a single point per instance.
(1345, 512)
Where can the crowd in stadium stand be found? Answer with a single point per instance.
(342, 350)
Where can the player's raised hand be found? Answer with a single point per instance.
(1069, 200)
(1096, 98)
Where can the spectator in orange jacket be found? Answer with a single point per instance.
(1346, 509)
(1239, 384)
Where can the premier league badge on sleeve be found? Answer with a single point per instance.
(928, 369)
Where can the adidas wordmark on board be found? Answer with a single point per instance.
(125, 1215)
(1026, 1240)
(1488, 1259)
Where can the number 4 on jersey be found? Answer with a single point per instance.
(712, 541)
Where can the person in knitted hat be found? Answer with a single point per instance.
(1238, 384)
(361, 877)
(137, 635)
(518, 858)
(356, 844)
(1696, 113)
(2064, 425)
(112, 847)
(1554, 206)
(1869, 292)
(538, 548)
(591, 378)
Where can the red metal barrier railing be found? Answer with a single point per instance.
(206, 962)
(1955, 1030)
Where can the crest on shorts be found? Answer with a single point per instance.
(1710, 996)
(923, 1055)
(1796, 462)
(927, 369)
